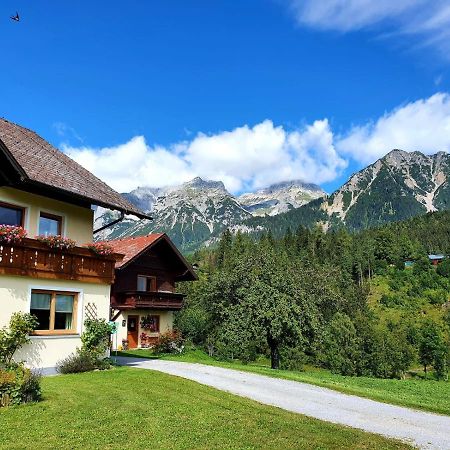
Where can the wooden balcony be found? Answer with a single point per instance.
(147, 300)
(32, 258)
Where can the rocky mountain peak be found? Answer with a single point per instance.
(280, 197)
(200, 183)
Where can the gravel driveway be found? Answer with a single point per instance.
(425, 430)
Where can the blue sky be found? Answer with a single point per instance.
(250, 92)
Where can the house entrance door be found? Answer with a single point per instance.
(133, 331)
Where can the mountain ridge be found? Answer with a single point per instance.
(397, 186)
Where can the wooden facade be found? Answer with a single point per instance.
(158, 261)
(32, 258)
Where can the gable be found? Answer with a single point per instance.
(32, 164)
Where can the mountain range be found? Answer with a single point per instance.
(398, 186)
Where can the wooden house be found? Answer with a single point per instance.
(436, 259)
(45, 192)
(143, 297)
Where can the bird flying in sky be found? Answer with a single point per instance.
(16, 18)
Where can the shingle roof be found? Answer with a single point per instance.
(133, 247)
(40, 162)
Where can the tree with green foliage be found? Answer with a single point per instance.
(443, 269)
(283, 296)
(341, 345)
(431, 349)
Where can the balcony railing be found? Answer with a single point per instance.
(35, 259)
(147, 300)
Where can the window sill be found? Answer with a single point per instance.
(54, 335)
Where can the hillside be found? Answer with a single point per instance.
(396, 187)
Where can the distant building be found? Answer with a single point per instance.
(143, 297)
(436, 259)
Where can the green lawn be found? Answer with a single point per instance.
(428, 395)
(128, 408)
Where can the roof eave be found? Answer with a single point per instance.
(90, 200)
(166, 238)
(15, 165)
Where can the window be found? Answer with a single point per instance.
(55, 311)
(146, 283)
(11, 215)
(150, 323)
(50, 225)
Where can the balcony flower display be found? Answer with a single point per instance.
(100, 248)
(57, 242)
(10, 234)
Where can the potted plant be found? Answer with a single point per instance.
(57, 242)
(100, 248)
(145, 340)
(10, 234)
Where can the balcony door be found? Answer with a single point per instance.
(133, 331)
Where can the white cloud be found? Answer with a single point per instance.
(249, 158)
(422, 125)
(430, 20)
(245, 158)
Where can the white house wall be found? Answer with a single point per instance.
(45, 351)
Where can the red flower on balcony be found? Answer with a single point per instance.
(57, 242)
(100, 248)
(11, 234)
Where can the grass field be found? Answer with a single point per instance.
(130, 408)
(427, 395)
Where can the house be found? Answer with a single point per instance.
(143, 296)
(47, 193)
(436, 259)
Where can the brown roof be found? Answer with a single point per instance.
(133, 247)
(38, 162)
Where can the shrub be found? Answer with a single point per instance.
(82, 361)
(436, 297)
(15, 337)
(169, 342)
(96, 336)
(91, 356)
(193, 323)
(19, 385)
(443, 269)
(292, 358)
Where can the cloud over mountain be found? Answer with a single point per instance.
(422, 125)
(244, 158)
(249, 158)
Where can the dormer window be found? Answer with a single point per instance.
(50, 225)
(146, 283)
(11, 215)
